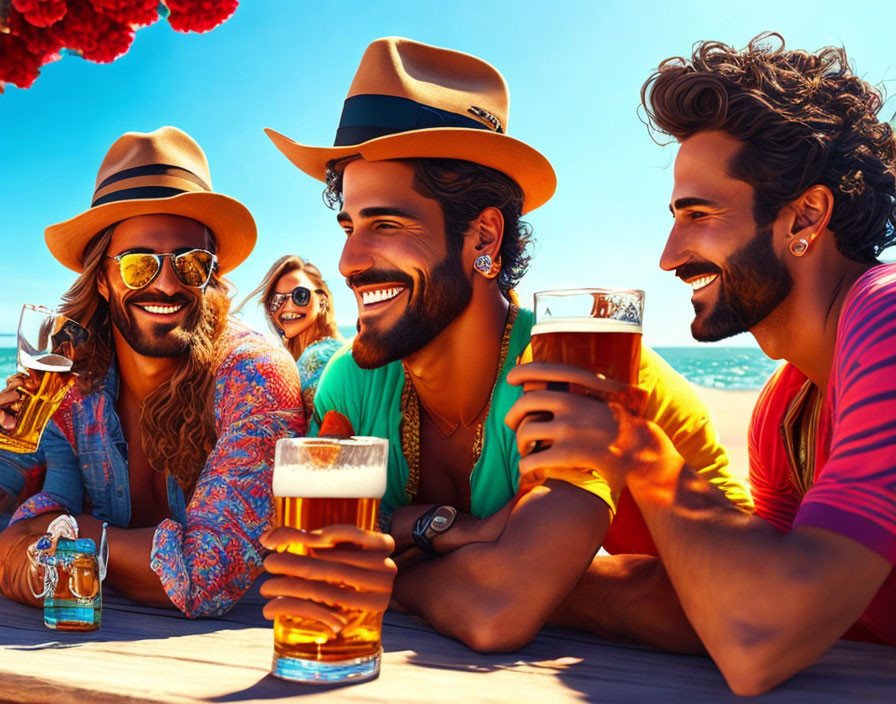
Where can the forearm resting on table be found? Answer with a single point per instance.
(129, 572)
(17, 578)
(495, 596)
(629, 597)
(765, 604)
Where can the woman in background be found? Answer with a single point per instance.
(297, 305)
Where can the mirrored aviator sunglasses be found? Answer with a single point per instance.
(300, 295)
(193, 268)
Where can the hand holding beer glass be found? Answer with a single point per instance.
(597, 331)
(334, 573)
(47, 343)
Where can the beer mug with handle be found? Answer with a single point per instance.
(47, 343)
(320, 482)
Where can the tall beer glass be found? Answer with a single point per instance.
(592, 328)
(46, 350)
(320, 482)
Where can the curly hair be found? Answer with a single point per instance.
(805, 119)
(177, 423)
(463, 189)
(324, 326)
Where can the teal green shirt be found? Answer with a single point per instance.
(371, 400)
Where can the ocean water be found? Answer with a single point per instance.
(721, 367)
(716, 367)
(7, 363)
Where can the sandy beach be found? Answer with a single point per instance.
(730, 412)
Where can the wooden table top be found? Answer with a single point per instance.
(142, 654)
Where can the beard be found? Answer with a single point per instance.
(161, 339)
(752, 283)
(433, 304)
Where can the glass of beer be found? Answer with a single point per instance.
(592, 328)
(321, 482)
(47, 343)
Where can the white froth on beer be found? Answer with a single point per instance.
(45, 362)
(590, 325)
(310, 481)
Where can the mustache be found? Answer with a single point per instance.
(689, 270)
(371, 277)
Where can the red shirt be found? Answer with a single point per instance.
(854, 488)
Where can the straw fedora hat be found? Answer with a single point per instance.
(414, 100)
(161, 172)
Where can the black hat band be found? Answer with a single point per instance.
(147, 192)
(366, 117)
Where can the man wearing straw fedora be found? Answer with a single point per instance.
(169, 432)
(431, 190)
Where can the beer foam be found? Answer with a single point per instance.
(362, 474)
(591, 325)
(45, 362)
(310, 481)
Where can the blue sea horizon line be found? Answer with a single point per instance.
(730, 368)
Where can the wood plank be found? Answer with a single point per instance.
(142, 654)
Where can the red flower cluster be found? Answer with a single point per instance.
(99, 30)
(199, 15)
(137, 13)
(41, 13)
(93, 34)
(17, 64)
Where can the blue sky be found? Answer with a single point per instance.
(574, 69)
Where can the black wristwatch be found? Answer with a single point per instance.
(432, 523)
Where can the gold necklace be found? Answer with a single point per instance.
(410, 416)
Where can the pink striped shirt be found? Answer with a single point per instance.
(854, 492)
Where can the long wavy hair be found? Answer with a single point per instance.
(805, 119)
(177, 424)
(325, 323)
(463, 190)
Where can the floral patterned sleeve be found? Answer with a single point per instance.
(206, 565)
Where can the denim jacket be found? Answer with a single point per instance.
(208, 553)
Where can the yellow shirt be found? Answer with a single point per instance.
(675, 407)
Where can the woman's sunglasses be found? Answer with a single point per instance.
(300, 295)
(193, 268)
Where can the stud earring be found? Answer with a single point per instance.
(483, 264)
(799, 247)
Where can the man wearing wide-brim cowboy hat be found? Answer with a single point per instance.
(431, 190)
(169, 433)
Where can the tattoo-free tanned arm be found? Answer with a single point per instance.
(765, 604)
(495, 596)
(129, 572)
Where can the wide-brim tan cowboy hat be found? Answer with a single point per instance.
(160, 172)
(414, 100)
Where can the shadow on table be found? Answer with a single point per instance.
(605, 671)
(595, 669)
(22, 627)
(271, 688)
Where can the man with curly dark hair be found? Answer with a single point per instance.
(784, 197)
(430, 192)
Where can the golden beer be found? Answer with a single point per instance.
(317, 483)
(46, 346)
(76, 602)
(304, 638)
(605, 347)
(48, 381)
